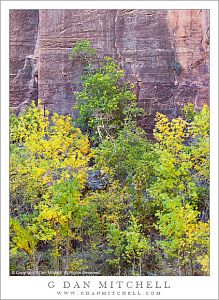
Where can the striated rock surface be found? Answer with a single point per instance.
(165, 53)
(23, 32)
(191, 37)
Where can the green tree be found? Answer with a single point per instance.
(49, 164)
(177, 193)
(127, 246)
(116, 246)
(84, 51)
(137, 245)
(23, 238)
(186, 238)
(130, 159)
(106, 102)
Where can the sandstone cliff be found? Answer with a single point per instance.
(165, 53)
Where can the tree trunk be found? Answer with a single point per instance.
(57, 266)
(191, 263)
(35, 265)
(139, 266)
(179, 268)
(34, 262)
(67, 253)
(133, 266)
(119, 270)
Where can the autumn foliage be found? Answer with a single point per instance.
(102, 198)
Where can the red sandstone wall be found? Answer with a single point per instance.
(23, 31)
(149, 44)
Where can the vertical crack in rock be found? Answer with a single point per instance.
(175, 79)
(138, 88)
(115, 35)
(36, 59)
(204, 42)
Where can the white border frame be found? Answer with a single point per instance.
(33, 287)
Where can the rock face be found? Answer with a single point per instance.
(165, 53)
(23, 61)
